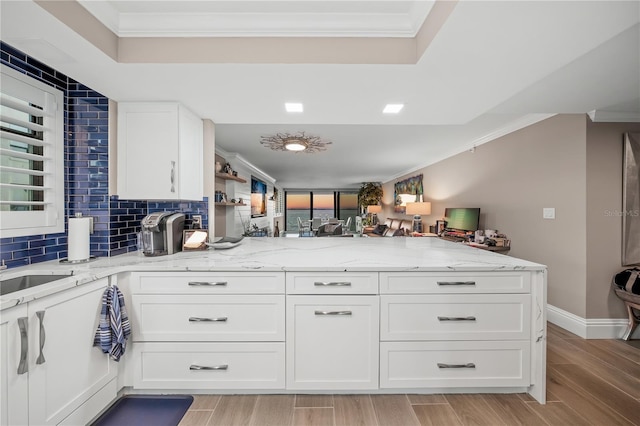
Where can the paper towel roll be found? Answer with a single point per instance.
(78, 241)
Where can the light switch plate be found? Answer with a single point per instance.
(549, 213)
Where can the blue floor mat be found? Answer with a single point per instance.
(143, 410)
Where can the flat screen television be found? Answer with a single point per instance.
(462, 218)
(258, 197)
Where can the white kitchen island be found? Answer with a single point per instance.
(334, 315)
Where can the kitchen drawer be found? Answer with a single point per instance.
(454, 282)
(332, 342)
(455, 317)
(208, 318)
(207, 283)
(332, 283)
(454, 364)
(209, 366)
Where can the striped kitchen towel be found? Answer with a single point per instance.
(114, 328)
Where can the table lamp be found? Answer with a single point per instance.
(418, 209)
(373, 210)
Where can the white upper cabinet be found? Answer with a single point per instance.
(160, 148)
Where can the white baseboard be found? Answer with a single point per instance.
(601, 328)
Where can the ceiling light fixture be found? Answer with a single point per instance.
(293, 107)
(298, 142)
(392, 108)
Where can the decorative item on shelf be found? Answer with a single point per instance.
(373, 211)
(227, 169)
(240, 200)
(234, 173)
(418, 209)
(233, 200)
(298, 142)
(218, 197)
(218, 167)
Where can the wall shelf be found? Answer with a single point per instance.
(227, 176)
(230, 204)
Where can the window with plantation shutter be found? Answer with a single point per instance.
(31, 156)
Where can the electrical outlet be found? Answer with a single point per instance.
(196, 220)
(548, 213)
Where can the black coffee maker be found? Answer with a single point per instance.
(162, 233)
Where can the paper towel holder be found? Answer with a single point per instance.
(79, 214)
(65, 260)
(90, 258)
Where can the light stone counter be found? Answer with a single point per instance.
(279, 254)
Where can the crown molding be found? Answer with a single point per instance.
(600, 116)
(310, 19)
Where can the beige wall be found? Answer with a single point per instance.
(604, 223)
(511, 179)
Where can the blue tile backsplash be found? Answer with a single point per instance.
(86, 178)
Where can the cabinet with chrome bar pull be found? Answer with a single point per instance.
(455, 330)
(208, 330)
(338, 331)
(332, 331)
(50, 373)
(160, 147)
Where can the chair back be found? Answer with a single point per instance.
(347, 224)
(315, 223)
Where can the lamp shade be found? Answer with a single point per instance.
(374, 209)
(418, 208)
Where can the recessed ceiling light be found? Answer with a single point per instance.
(293, 107)
(392, 108)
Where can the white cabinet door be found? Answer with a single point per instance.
(159, 152)
(332, 342)
(190, 151)
(14, 376)
(70, 370)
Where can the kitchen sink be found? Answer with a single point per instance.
(28, 281)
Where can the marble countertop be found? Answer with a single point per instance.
(278, 254)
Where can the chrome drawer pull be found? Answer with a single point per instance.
(468, 365)
(208, 284)
(200, 319)
(332, 284)
(173, 176)
(40, 315)
(456, 318)
(205, 368)
(469, 283)
(333, 312)
(23, 325)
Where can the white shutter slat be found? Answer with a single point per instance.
(23, 107)
(23, 123)
(24, 139)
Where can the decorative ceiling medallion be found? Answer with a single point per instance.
(298, 142)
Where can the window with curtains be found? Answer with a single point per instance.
(31, 156)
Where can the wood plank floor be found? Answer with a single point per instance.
(589, 382)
